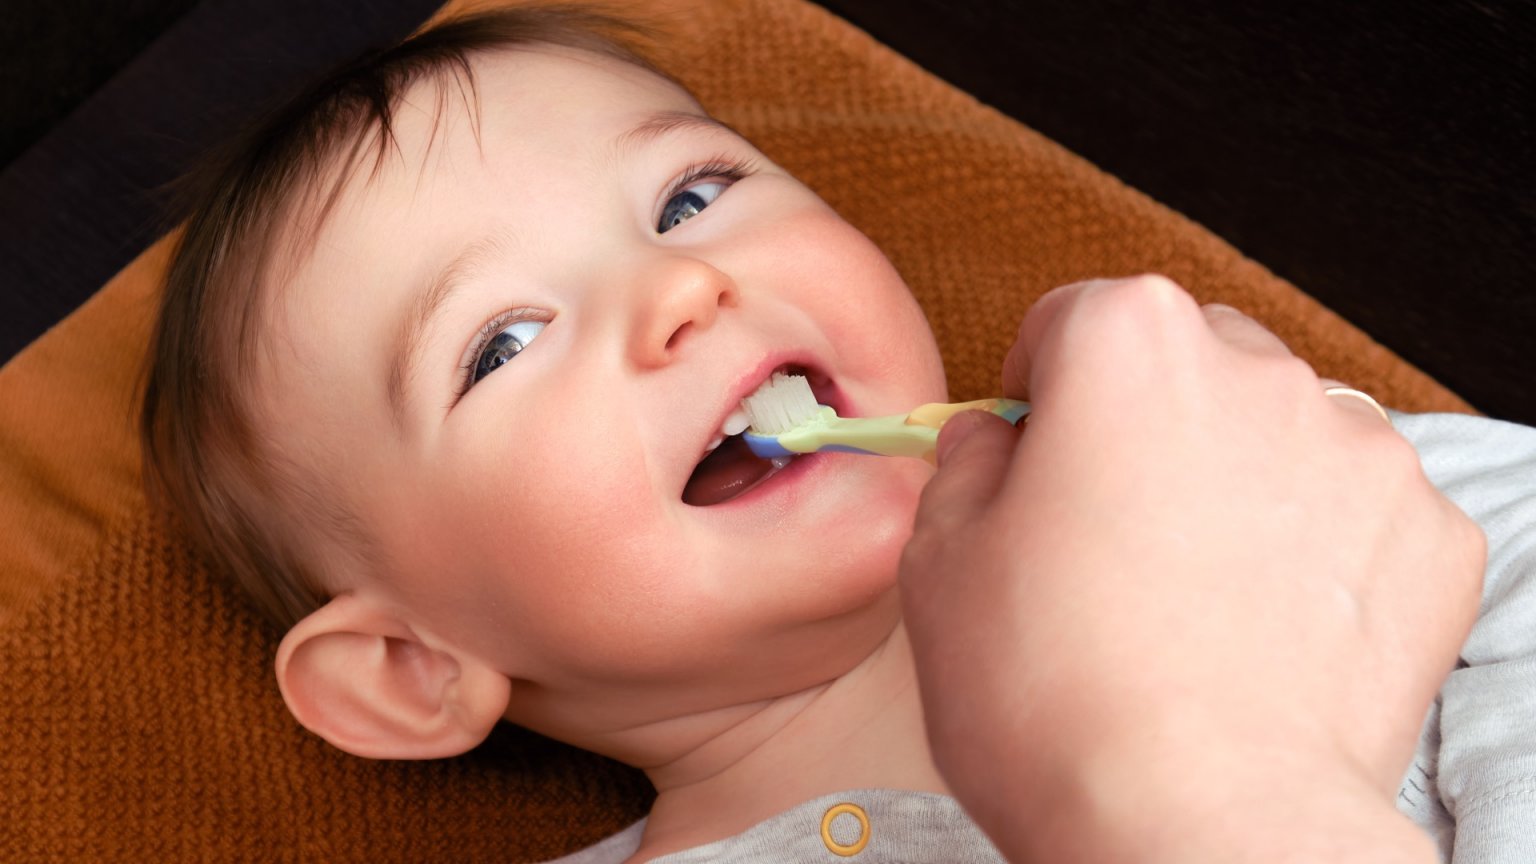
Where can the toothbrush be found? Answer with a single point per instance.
(786, 421)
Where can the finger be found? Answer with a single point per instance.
(1241, 332)
(974, 451)
(1357, 402)
(1037, 322)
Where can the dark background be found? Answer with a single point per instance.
(1378, 155)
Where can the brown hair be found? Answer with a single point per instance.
(205, 464)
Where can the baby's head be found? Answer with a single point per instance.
(440, 359)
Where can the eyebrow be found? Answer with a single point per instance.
(473, 257)
(663, 123)
(470, 260)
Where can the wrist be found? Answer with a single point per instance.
(1290, 816)
(1201, 803)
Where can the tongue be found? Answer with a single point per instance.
(725, 473)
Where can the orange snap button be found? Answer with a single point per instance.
(845, 849)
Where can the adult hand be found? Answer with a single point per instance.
(1196, 611)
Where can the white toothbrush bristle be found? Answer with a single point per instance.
(780, 404)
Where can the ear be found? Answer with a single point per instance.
(359, 677)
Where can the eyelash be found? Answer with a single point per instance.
(721, 166)
(483, 338)
(728, 168)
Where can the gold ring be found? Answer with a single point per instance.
(1362, 396)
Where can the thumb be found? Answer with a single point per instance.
(974, 451)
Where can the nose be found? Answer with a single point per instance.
(679, 298)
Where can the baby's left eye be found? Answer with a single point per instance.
(686, 204)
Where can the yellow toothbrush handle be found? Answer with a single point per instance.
(913, 434)
(936, 414)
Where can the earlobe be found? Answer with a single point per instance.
(360, 678)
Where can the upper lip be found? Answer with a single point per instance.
(749, 381)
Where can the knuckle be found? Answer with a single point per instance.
(1472, 544)
(1295, 375)
(1452, 545)
(931, 502)
(1227, 319)
(922, 550)
(1132, 309)
(1396, 454)
(1468, 560)
(920, 547)
(1156, 295)
(1473, 540)
(929, 528)
(1156, 286)
(1146, 295)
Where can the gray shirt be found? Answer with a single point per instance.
(860, 826)
(1472, 783)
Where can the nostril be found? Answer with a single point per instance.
(677, 335)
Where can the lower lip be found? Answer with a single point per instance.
(780, 488)
(785, 483)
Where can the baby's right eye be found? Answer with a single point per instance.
(504, 343)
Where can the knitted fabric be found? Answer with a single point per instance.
(140, 716)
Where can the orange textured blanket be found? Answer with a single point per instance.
(140, 716)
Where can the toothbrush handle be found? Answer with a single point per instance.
(936, 414)
(915, 434)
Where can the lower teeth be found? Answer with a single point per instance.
(780, 461)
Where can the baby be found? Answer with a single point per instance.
(576, 543)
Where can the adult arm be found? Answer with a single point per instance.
(1196, 611)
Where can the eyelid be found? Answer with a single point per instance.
(727, 167)
(483, 336)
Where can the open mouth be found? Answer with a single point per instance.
(730, 469)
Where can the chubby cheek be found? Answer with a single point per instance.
(516, 540)
(877, 329)
(563, 564)
(547, 530)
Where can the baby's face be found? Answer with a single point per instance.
(600, 275)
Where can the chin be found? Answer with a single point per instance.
(866, 570)
(853, 638)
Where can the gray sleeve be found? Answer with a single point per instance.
(1486, 767)
(615, 849)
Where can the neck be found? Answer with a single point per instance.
(863, 730)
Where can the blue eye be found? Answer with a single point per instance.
(502, 347)
(686, 204)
